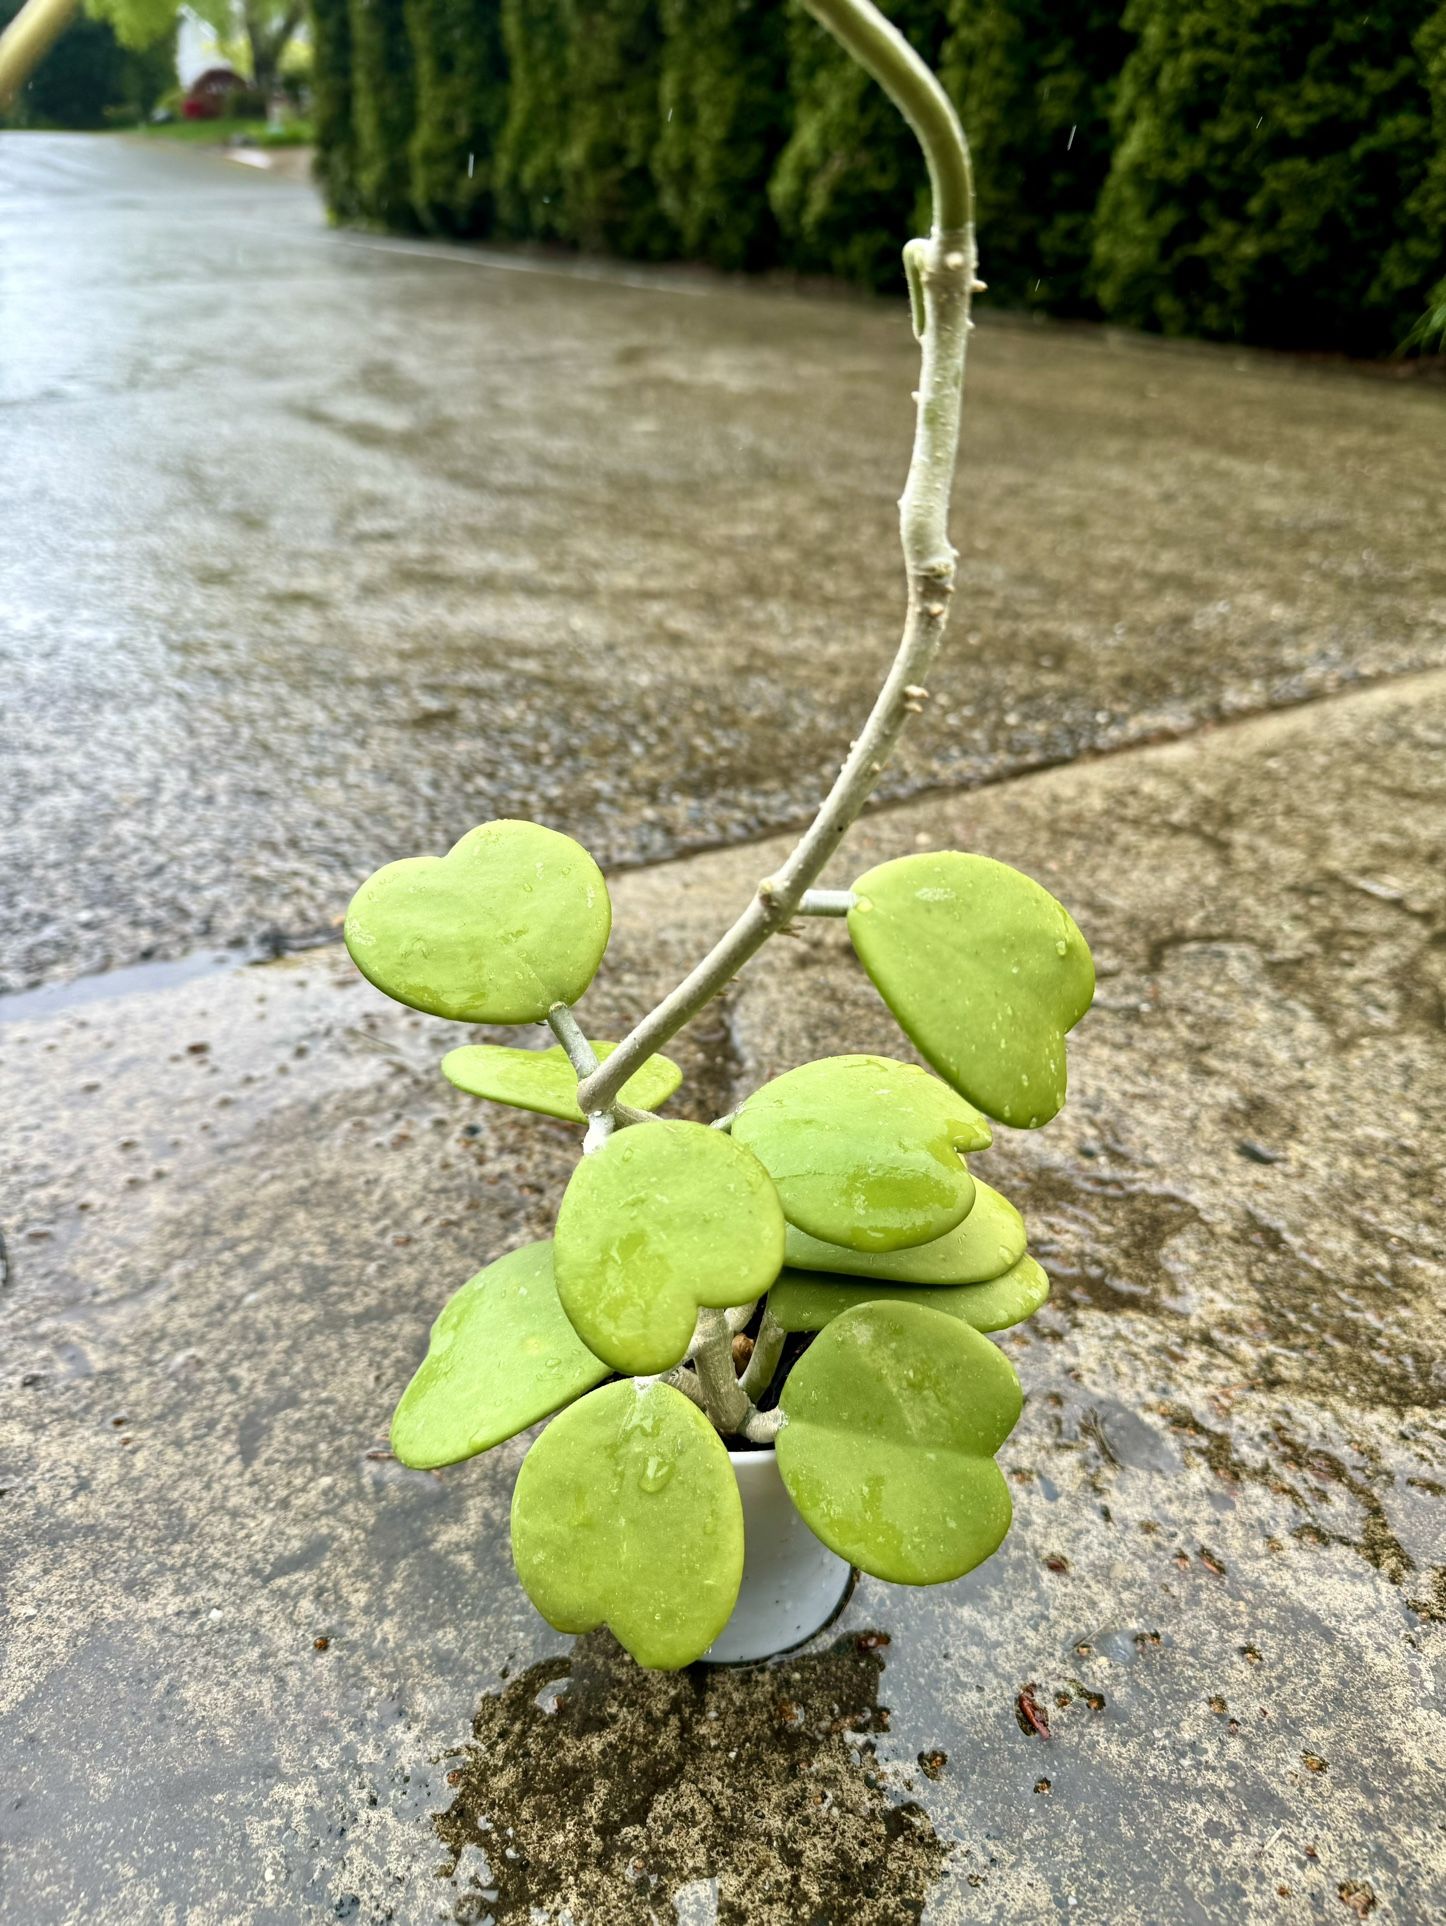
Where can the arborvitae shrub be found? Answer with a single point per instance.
(851, 178)
(725, 117)
(1426, 214)
(1034, 81)
(1265, 151)
(1271, 168)
(331, 91)
(382, 104)
(461, 103)
(528, 181)
(611, 128)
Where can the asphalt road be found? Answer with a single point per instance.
(319, 548)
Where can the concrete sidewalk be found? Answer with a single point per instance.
(256, 1671)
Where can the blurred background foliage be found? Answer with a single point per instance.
(1270, 171)
(90, 78)
(1267, 155)
(1255, 170)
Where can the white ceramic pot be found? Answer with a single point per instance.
(792, 1584)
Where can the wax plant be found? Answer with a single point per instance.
(834, 1208)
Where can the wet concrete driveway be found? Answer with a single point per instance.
(319, 548)
(299, 582)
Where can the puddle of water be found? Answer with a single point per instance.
(49, 999)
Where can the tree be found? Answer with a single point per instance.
(528, 167)
(611, 128)
(383, 107)
(725, 117)
(461, 104)
(851, 175)
(269, 27)
(1426, 226)
(1034, 81)
(266, 26)
(1265, 150)
(331, 106)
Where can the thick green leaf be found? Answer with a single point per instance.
(894, 1413)
(664, 1218)
(984, 970)
(865, 1151)
(988, 1243)
(513, 919)
(502, 1355)
(807, 1300)
(545, 1081)
(626, 1513)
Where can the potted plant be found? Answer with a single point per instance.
(762, 1342)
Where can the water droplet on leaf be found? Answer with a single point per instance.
(656, 1473)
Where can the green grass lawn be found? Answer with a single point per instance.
(206, 133)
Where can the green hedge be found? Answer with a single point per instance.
(460, 99)
(1428, 205)
(1034, 80)
(611, 128)
(851, 186)
(1266, 170)
(726, 112)
(1266, 154)
(331, 106)
(528, 168)
(382, 111)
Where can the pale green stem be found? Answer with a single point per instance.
(724, 1399)
(583, 1058)
(764, 1426)
(767, 1349)
(940, 273)
(826, 902)
(686, 1382)
(882, 51)
(566, 1028)
(941, 281)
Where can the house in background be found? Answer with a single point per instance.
(216, 92)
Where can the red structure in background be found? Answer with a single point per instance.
(210, 94)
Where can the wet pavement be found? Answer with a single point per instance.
(257, 1672)
(319, 548)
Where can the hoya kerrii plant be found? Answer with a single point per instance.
(836, 1206)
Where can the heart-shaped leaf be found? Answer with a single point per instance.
(865, 1151)
(545, 1081)
(626, 1513)
(988, 1243)
(807, 1300)
(502, 1355)
(894, 1415)
(666, 1217)
(513, 919)
(985, 972)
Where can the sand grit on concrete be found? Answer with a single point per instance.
(256, 1671)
